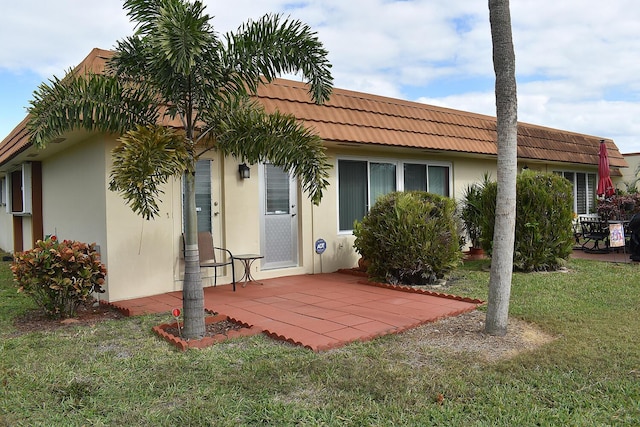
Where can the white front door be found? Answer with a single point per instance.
(279, 209)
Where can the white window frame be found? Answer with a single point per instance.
(399, 164)
(590, 192)
(3, 191)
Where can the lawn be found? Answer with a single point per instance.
(118, 373)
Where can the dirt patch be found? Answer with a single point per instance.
(36, 320)
(465, 333)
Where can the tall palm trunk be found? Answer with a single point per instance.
(507, 129)
(192, 292)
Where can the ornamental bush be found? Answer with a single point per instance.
(410, 238)
(544, 213)
(59, 276)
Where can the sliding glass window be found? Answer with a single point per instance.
(362, 182)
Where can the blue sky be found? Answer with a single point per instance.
(577, 61)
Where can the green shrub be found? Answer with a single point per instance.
(410, 237)
(471, 213)
(59, 276)
(544, 211)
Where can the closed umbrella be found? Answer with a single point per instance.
(605, 186)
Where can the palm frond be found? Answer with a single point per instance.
(143, 12)
(248, 132)
(92, 102)
(177, 54)
(271, 46)
(145, 160)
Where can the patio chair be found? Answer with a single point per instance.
(208, 256)
(594, 230)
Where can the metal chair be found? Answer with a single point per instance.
(594, 231)
(209, 259)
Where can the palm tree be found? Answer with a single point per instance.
(176, 67)
(507, 127)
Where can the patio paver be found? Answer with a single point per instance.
(320, 312)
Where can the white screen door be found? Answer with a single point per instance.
(279, 218)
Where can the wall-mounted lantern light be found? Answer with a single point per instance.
(244, 171)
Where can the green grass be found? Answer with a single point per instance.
(118, 373)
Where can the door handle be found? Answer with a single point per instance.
(292, 215)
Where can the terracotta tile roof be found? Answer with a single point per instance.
(15, 143)
(18, 141)
(354, 117)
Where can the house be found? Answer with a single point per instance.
(376, 145)
(629, 181)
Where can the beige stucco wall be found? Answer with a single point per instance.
(241, 220)
(6, 230)
(629, 174)
(145, 257)
(340, 252)
(6, 220)
(73, 193)
(141, 254)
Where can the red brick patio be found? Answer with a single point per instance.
(320, 311)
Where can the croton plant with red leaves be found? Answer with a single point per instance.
(59, 275)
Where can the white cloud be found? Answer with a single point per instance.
(576, 59)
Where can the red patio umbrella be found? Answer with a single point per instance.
(605, 186)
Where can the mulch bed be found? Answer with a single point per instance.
(212, 329)
(218, 328)
(37, 320)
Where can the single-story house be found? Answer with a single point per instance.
(376, 145)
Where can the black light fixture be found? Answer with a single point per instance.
(244, 171)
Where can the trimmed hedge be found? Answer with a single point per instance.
(544, 212)
(410, 238)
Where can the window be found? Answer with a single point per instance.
(361, 182)
(3, 191)
(383, 180)
(277, 190)
(432, 178)
(584, 191)
(19, 190)
(353, 192)
(203, 195)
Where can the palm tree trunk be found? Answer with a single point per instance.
(507, 130)
(192, 292)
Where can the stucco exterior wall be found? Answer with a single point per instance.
(241, 220)
(340, 252)
(141, 254)
(629, 174)
(144, 257)
(73, 193)
(6, 230)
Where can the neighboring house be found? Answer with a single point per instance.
(375, 144)
(629, 181)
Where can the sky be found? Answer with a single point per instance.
(577, 61)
